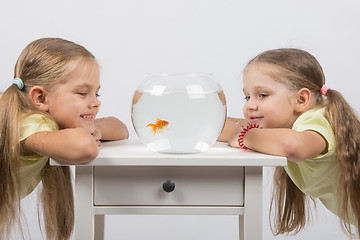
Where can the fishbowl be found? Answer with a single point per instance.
(179, 112)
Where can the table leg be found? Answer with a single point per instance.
(241, 227)
(99, 227)
(252, 220)
(84, 217)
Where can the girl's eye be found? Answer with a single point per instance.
(97, 95)
(82, 93)
(247, 98)
(263, 95)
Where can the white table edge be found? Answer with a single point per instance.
(127, 153)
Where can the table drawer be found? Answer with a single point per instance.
(200, 186)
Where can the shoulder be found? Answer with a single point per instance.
(315, 120)
(33, 123)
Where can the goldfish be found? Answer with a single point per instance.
(158, 126)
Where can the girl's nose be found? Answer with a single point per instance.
(95, 103)
(251, 105)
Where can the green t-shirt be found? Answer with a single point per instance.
(30, 173)
(318, 176)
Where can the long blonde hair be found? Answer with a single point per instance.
(44, 62)
(299, 69)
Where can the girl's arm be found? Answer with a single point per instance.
(71, 145)
(231, 127)
(76, 145)
(111, 128)
(296, 146)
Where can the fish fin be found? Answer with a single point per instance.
(153, 126)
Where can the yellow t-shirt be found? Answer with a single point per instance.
(30, 173)
(318, 176)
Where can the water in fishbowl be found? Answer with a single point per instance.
(179, 121)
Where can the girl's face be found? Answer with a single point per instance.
(269, 103)
(74, 102)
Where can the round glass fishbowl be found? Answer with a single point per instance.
(179, 113)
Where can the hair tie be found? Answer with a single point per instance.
(242, 134)
(19, 83)
(324, 90)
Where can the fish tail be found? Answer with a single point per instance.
(153, 126)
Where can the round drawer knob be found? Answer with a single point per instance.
(168, 186)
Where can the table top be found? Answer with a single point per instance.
(134, 153)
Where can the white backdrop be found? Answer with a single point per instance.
(132, 38)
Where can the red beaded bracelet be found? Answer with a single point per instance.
(242, 134)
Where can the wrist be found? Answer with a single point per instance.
(242, 135)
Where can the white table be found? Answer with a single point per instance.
(127, 178)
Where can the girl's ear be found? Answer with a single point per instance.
(38, 96)
(303, 99)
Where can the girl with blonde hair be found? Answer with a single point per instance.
(49, 111)
(290, 112)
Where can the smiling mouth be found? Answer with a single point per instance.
(87, 116)
(255, 118)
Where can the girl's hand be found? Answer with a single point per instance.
(232, 126)
(111, 129)
(97, 136)
(234, 140)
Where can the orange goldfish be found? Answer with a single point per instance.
(158, 126)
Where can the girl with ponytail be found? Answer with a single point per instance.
(48, 111)
(290, 112)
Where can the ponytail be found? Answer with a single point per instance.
(9, 160)
(346, 125)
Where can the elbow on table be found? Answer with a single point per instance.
(292, 149)
(86, 152)
(125, 133)
(89, 155)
